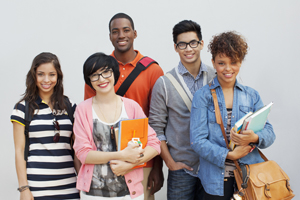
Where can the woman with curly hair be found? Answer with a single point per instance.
(47, 169)
(235, 100)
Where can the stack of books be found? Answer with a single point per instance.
(252, 121)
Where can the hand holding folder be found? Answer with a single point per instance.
(134, 128)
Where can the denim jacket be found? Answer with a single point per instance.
(206, 136)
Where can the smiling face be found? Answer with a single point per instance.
(189, 56)
(227, 70)
(46, 78)
(122, 35)
(103, 85)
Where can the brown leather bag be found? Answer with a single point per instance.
(261, 181)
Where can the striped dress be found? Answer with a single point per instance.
(50, 167)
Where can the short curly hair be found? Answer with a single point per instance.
(230, 44)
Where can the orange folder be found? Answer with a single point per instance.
(133, 128)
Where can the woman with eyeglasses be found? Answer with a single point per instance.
(106, 173)
(235, 100)
(46, 171)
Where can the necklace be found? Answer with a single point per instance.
(104, 115)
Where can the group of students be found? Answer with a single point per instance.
(183, 131)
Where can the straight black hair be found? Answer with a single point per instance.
(100, 61)
(186, 26)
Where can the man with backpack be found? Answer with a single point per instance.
(170, 112)
(138, 75)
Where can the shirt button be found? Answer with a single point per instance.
(225, 116)
(129, 181)
(122, 76)
(88, 170)
(123, 68)
(222, 173)
(232, 116)
(133, 193)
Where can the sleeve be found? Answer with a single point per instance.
(153, 141)
(200, 133)
(155, 74)
(158, 109)
(18, 113)
(82, 144)
(88, 92)
(267, 135)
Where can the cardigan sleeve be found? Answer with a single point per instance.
(83, 136)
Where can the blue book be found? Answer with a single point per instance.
(258, 119)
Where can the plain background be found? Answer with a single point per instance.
(73, 30)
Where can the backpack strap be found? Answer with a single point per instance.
(71, 117)
(142, 65)
(26, 131)
(180, 90)
(69, 109)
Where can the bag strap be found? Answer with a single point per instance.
(220, 122)
(142, 65)
(69, 109)
(71, 117)
(26, 131)
(180, 90)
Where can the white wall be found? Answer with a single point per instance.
(73, 30)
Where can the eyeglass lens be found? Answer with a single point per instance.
(183, 45)
(105, 74)
(57, 128)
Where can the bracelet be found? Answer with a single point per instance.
(22, 188)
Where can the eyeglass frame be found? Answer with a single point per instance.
(109, 70)
(57, 128)
(189, 43)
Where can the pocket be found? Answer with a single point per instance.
(211, 113)
(245, 109)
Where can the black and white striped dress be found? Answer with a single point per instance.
(50, 167)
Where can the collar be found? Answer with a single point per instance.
(183, 71)
(39, 101)
(215, 83)
(133, 63)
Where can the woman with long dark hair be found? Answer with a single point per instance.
(47, 171)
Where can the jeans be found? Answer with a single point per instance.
(183, 186)
(228, 191)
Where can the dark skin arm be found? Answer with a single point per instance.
(156, 176)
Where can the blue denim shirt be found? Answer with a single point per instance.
(206, 135)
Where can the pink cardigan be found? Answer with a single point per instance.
(83, 129)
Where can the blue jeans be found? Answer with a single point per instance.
(183, 186)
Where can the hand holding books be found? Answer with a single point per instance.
(245, 138)
(132, 153)
(249, 125)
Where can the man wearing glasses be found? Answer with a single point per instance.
(122, 35)
(170, 115)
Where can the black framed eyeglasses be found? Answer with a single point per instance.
(183, 45)
(56, 131)
(105, 74)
